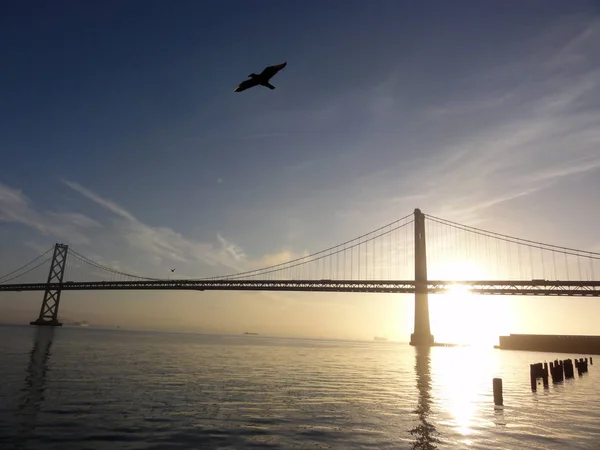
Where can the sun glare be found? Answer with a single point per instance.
(460, 317)
(459, 390)
(458, 291)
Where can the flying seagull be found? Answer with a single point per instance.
(262, 79)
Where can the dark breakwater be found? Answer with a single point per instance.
(551, 343)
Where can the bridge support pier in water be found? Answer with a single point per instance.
(49, 310)
(422, 333)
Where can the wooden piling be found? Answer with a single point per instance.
(556, 373)
(497, 385)
(545, 379)
(571, 369)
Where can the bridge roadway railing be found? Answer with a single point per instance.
(494, 287)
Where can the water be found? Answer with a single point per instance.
(100, 389)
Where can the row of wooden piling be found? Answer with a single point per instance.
(558, 370)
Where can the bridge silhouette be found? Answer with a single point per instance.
(395, 258)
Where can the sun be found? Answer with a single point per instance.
(460, 317)
(458, 291)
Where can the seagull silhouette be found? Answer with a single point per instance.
(262, 79)
(172, 270)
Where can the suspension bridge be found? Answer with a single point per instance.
(395, 258)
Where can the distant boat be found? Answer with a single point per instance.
(251, 334)
(383, 339)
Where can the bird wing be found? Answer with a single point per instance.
(272, 70)
(247, 84)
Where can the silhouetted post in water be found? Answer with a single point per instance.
(543, 372)
(571, 371)
(556, 371)
(561, 371)
(536, 371)
(568, 365)
(583, 365)
(562, 368)
(422, 332)
(498, 400)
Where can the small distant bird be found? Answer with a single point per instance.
(172, 270)
(262, 79)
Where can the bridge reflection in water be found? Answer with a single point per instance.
(425, 433)
(33, 397)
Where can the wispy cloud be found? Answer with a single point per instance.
(16, 207)
(458, 107)
(524, 138)
(232, 249)
(164, 242)
(157, 245)
(108, 204)
(278, 257)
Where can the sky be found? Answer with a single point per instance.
(120, 134)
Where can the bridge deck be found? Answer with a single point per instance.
(489, 287)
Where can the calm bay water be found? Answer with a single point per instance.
(82, 388)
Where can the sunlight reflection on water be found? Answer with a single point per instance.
(75, 388)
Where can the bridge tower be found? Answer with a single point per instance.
(49, 310)
(422, 333)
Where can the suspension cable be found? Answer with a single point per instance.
(30, 270)
(514, 240)
(107, 269)
(25, 265)
(308, 257)
(298, 261)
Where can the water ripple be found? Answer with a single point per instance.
(85, 388)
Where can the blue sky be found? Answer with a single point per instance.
(120, 132)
